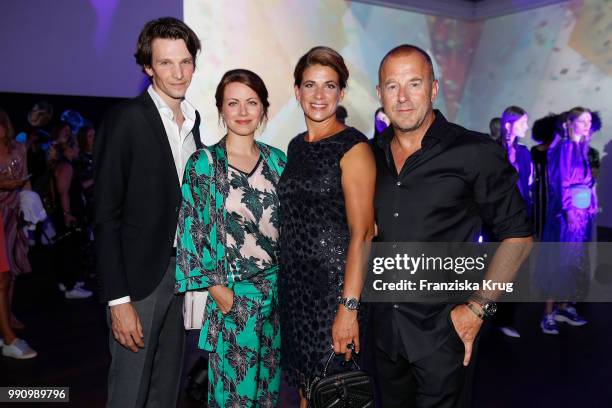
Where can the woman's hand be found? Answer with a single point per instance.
(224, 297)
(345, 331)
(573, 220)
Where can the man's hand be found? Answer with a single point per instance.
(126, 326)
(467, 325)
(224, 297)
(345, 331)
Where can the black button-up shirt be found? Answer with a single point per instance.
(445, 192)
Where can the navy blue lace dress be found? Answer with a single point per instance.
(314, 239)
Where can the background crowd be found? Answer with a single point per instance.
(46, 200)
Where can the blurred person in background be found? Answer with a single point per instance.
(571, 208)
(61, 132)
(513, 127)
(593, 154)
(11, 345)
(84, 169)
(341, 114)
(68, 215)
(84, 165)
(495, 129)
(13, 178)
(545, 132)
(381, 121)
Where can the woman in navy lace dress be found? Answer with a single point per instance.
(326, 204)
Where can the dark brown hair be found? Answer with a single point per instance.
(408, 49)
(165, 27)
(81, 136)
(322, 56)
(510, 115)
(245, 77)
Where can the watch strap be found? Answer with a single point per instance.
(480, 314)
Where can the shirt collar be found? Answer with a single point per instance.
(186, 107)
(435, 132)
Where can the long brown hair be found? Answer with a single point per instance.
(5, 122)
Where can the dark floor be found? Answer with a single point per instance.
(573, 369)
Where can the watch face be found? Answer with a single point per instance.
(352, 304)
(489, 308)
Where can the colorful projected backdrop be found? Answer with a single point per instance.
(545, 60)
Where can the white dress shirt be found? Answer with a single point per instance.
(181, 143)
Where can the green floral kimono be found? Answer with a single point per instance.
(228, 235)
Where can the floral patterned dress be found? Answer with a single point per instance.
(228, 229)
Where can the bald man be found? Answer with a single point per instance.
(436, 182)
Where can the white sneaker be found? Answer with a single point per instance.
(77, 293)
(510, 332)
(19, 349)
(78, 284)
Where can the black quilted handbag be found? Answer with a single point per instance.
(347, 389)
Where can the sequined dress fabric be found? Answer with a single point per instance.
(314, 238)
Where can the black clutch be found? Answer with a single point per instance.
(347, 389)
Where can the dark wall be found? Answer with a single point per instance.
(75, 47)
(18, 105)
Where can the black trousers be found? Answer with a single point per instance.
(67, 257)
(505, 314)
(436, 381)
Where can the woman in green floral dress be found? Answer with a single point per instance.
(228, 244)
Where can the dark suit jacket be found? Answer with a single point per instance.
(137, 199)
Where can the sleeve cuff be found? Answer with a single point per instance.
(115, 302)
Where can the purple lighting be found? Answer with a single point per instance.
(105, 10)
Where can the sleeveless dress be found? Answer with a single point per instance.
(314, 241)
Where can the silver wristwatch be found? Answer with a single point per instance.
(349, 303)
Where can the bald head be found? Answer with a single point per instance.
(405, 50)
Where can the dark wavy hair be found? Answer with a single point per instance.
(545, 129)
(165, 27)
